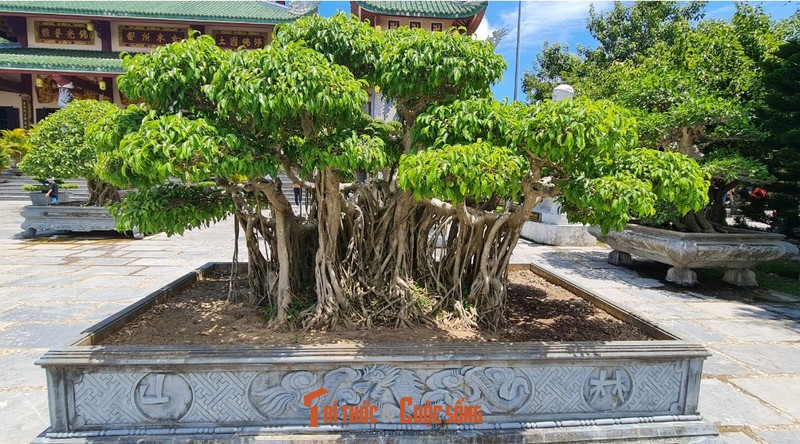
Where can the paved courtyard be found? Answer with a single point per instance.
(52, 289)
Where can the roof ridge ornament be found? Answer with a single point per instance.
(303, 7)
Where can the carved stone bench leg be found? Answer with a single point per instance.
(30, 232)
(617, 257)
(740, 277)
(685, 277)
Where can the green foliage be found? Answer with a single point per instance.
(171, 77)
(589, 150)
(43, 187)
(553, 66)
(14, 143)
(424, 67)
(730, 166)
(629, 30)
(453, 172)
(342, 39)
(58, 143)
(171, 208)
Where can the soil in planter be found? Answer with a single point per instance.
(537, 311)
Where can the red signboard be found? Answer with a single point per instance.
(236, 39)
(63, 33)
(150, 36)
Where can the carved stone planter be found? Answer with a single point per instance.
(736, 252)
(67, 218)
(40, 199)
(525, 392)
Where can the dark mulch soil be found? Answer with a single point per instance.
(537, 311)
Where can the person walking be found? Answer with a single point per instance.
(52, 190)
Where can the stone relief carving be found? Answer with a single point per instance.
(497, 390)
(285, 399)
(607, 388)
(250, 396)
(163, 396)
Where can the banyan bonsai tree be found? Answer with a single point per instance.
(692, 84)
(431, 234)
(58, 148)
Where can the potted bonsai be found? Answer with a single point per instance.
(59, 148)
(37, 192)
(693, 86)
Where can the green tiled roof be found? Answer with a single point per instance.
(204, 11)
(61, 60)
(434, 9)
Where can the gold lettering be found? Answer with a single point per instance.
(45, 32)
(83, 34)
(70, 34)
(258, 42)
(57, 33)
(246, 42)
(131, 36)
(145, 36)
(234, 42)
(175, 37)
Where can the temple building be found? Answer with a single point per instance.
(52, 49)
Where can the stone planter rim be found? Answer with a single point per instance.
(735, 234)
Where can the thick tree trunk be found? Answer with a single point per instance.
(101, 193)
(330, 297)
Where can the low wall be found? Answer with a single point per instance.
(493, 392)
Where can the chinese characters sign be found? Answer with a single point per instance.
(63, 33)
(235, 39)
(150, 36)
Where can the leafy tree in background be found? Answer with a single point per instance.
(781, 118)
(428, 238)
(59, 148)
(692, 84)
(14, 143)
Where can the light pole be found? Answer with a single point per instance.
(516, 60)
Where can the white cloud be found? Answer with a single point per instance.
(552, 21)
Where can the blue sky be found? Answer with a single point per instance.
(555, 21)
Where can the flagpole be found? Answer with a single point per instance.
(516, 60)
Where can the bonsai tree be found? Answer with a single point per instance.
(430, 237)
(692, 84)
(59, 148)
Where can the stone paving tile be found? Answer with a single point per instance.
(780, 436)
(691, 331)
(737, 438)
(747, 331)
(94, 270)
(113, 282)
(40, 335)
(103, 261)
(47, 312)
(782, 393)
(26, 412)
(19, 369)
(150, 254)
(102, 311)
(736, 310)
(45, 280)
(172, 272)
(148, 262)
(89, 253)
(722, 404)
(38, 260)
(768, 358)
(717, 364)
(118, 295)
(785, 311)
